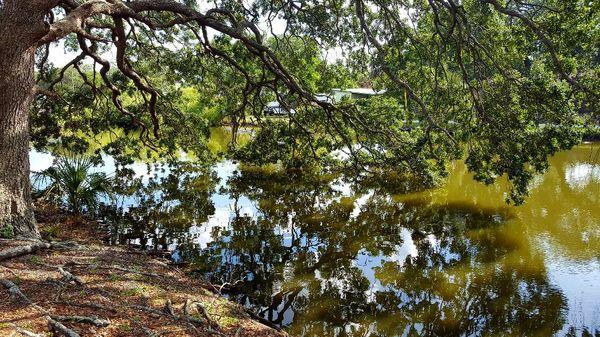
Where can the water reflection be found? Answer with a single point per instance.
(158, 207)
(322, 257)
(390, 268)
(578, 176)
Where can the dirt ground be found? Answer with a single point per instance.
(96, 290)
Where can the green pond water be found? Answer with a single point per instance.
(323, 257)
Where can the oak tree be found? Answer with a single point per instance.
(504, 83)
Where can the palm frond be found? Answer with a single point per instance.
(71, 181)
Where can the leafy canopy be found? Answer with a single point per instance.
(505, 84)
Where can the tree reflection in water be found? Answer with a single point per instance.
(156, 211)
(324, 263)
(324, 258)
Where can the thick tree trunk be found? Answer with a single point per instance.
(16, 85)
(20, 27)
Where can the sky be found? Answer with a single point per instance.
(59, 57)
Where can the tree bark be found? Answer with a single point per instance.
(21, 25)
(16, 84)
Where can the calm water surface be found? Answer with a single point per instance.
(322, 257)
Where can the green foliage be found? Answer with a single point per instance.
(36, 259)
(279, 141)
(481, 83)
(6, 232)
(50, 232)
(504, 83)
(71, 182)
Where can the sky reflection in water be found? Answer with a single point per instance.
(327, 258)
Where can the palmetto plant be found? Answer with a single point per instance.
(70, 182)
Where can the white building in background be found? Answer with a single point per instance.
(274, 108)
(336, 95)
(354, 93)
(324, 97)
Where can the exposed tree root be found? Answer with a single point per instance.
(169, 312)
(202, 311)
(264, 321)
(23, 250)
(24, 332)
(58, 329)
(68, 277)
(83, 319)
(15, 292)
(88, 305)
(53, 321)
(34, 247)
(58, 287)
(210, 325)
(168, 309)
(186, 313)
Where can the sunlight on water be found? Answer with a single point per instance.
(578, 176)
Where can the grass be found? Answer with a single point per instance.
(124, 327)
(36, 259)
(135, 291)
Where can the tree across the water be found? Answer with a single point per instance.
(504, 84)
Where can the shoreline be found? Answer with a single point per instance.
(90, 288)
